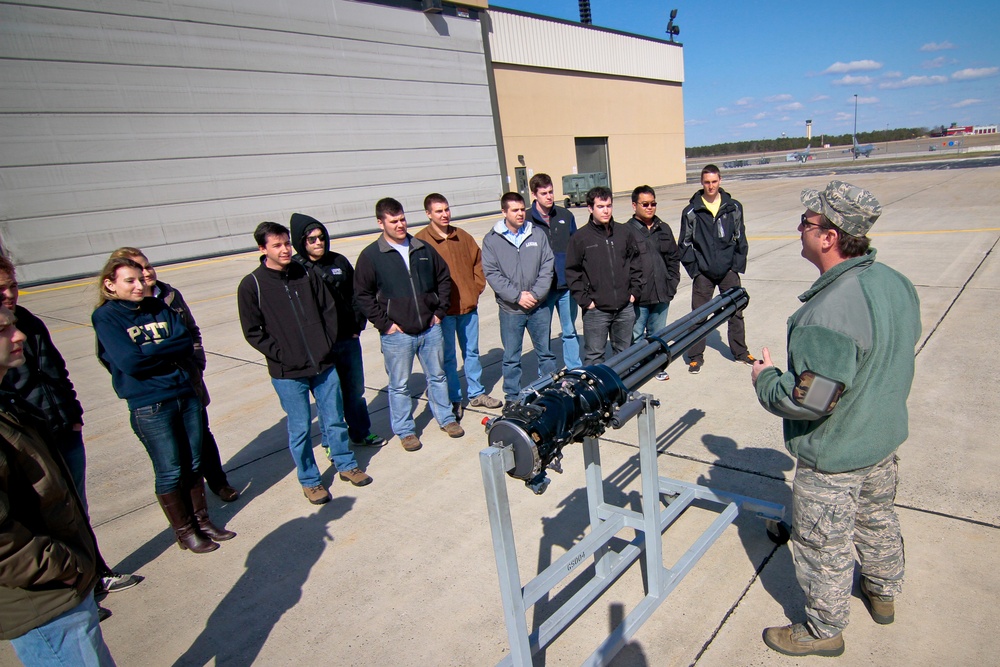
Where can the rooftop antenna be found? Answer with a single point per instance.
(672, 29)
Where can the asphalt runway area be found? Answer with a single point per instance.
(856, 167)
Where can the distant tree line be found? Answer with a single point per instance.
(798, 143)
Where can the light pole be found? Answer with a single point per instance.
(855, 138)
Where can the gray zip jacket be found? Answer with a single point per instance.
(512, 269)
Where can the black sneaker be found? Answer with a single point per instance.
(103, 613)
(113, 582)
(747, 359)
(370, 440)
(694, 367)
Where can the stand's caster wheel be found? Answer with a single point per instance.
(778, 531)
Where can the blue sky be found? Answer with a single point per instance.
(759, 68)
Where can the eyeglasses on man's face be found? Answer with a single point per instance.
(319, 238)
(805, 223)
(647, 204)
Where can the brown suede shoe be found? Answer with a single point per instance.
(411, 443)
(797, 640)
(317, 495)
(357, 477)
(882, 608)
(486, 401)
(453, 429)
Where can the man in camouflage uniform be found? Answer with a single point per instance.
(843, 402)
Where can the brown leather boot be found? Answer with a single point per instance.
(200, 510)
(175, 507)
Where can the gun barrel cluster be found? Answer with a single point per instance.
(573, 404)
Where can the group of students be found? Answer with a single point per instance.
(305, 306)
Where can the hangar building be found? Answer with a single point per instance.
(177, 125)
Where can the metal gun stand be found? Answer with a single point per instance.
(606, 521)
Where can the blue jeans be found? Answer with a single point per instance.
(466, 328)
(512, 326)
(560, 299)
(398, 350)
(351, 370)
(171, 432)
(599, 325)
(71, 638)
(649, 319)
(293, 393)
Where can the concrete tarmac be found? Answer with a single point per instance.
(402, 572)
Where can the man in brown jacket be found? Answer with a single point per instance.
(48, 554)
(465, 262)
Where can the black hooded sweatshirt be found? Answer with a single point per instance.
(336, 272)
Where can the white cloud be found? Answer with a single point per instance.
(853, 66)
(853, 81)
(784, 97)
(965, 103)
(867, 100)
(940, 61)
(747, 126)
(744, 101)
(913, 81)
(892, 75)
(760, 116)
(794, 106)
(843, 116)
(974, 73)
(784, 119)
(937, 46)
(819, 98)
(695, 121)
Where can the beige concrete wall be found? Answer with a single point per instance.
(542, 111)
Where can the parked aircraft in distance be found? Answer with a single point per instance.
(865, 150)
(801, 156)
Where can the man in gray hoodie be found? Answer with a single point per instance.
(519, 265)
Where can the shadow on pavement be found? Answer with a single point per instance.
(276, 570)
(729, 473)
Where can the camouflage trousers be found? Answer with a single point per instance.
(834, 514)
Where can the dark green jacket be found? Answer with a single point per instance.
(859, 325)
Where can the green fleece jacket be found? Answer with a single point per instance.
(859, 325)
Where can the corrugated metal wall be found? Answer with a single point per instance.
(177, 126)
(535, 41)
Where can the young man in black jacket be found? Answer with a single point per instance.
(283, 315)
(660, 262)
(559, 225)
(604, 276)
(713, 245)
(43, 381)
(312, 250)
(403, 287)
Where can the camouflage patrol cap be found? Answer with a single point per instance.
(851, 209)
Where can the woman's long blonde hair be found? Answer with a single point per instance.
(110, 272)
